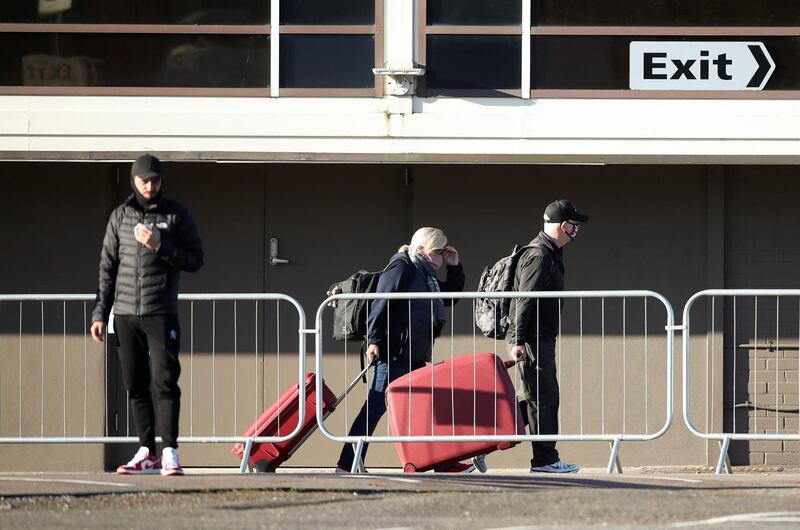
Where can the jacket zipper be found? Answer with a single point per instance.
(139, 273)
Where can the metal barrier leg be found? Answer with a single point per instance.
(246, 456)
(724, 461)
(358, 464)
(614, 460)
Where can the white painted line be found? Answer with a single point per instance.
(516, 528)
(675, 479)
(67, 481)
(395, 479)
(759, 517)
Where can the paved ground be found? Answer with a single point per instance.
(499, 499)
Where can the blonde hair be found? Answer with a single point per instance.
(427, 237)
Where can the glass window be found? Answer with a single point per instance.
(327, 61)
(307, 12)
(474, 12)
(665, 13)
(126, 60)
(473, 62)
(602, 62)
(237, 12)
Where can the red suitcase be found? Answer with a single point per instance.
(266, 457)
(281, 419)
(468, 395)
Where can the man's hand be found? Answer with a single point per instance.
(517, 353)
(373, 353)
(98, 330)
(149, 236)
(332, 292)
(450, 255)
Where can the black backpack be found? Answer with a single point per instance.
(350, 316)
(491, 314)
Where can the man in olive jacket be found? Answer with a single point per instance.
(534, 327)
(149, 239)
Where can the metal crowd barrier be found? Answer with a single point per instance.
(751, 336)
(609, 332)
(51, 332)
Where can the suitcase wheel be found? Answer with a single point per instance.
(409, 468)
(264, 466)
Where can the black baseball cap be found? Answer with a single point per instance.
(146, 167)
(563, 210)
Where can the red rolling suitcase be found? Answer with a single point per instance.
(468, 395)
(281, 419)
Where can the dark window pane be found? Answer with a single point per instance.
(78, 59)
(665, 13)
(327, 61)
(328, 12)
(473, 62)
(136, 11)
(602, 62)
(474, 12)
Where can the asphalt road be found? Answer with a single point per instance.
(498, 499)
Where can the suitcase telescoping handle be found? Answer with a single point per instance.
(352, 384)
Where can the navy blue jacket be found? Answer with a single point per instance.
(397, 339)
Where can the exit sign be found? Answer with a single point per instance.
(699, 65)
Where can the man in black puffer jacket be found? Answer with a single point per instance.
(149, 240)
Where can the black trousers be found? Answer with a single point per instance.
(541, 398)
(148, 352)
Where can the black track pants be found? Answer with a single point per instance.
(148, 352)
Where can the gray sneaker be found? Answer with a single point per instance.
(557, 467)
(480, 463)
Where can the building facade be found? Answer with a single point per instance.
(674, 126)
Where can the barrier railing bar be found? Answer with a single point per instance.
(777, 341)
(646, 373)
(624, 369)
(191, 367)
(42, 373)
(64, 360)
(602, 365)
(235, 368)
(85, 369)
(106, 438)
(580, 362)
(20, 369)
(669, 327)
(755, 372)
(726, 438)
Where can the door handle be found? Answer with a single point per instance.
(273, 253)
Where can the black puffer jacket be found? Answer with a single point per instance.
(136, 280)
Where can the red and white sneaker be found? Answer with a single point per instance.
(170, 465)
(142, 463)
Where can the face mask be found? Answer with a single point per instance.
(434, 260)
(574, 233)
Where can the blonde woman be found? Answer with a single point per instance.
(400, 332)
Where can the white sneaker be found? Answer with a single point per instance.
(480, 463)
(142, 463)
(170, 465)
(557, 467)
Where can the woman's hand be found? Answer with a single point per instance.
(450, 255)
(373, 353)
